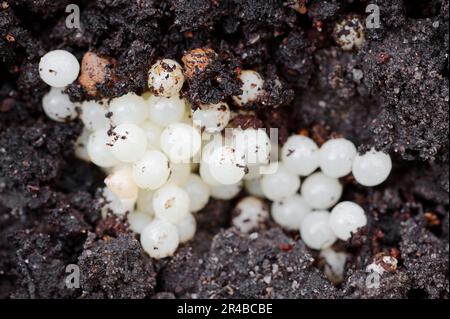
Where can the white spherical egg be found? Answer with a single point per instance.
(253, 172)
(121, 183)
(254, 144)
(128, 142)
(321, 191)
(166, 110)
(315, 230)
(59, 68)
(226, 192)
(280, 184)
(334, 267)
(179, 173)
(227, 165)
(371, 168)
(252, 87)
(171, 202)
(57, 106)
(212, 118)
(153, 133)
(206, 175)
(160, 239)
(93, 115)
(253, 187)
(336, 157)
(114, 204)
(144, 202)
(180, 142)
(81, 144)
(152, 170)
(289, 212)
(165, 78)
(99, 149)
(300, 155)
(250, 213)
(138, 221)
(198, 192)
(129, 108)
(345, 219)
(349, 33)
(186, 228)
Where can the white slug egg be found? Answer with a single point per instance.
(57, 106)
(165, 78)
(99, 150)
(171, 202)
(289, 212)
(59, 68)
(121, 183)
(372, 168)
(114, 204)
(81, 144)
(144, 202)
(321, 191)
(138, 221)
(93, 115)
(128, 142)
(300, 155)
(179, 173)
(336, 157)
(186, 228)
(129, 108)
(153, 133)
(152, 170)
(254, 144)
(226, 192)
(253, 187)
(226, 165)
(180, 142)
(345, 219)
(160, 239)
(212, 118)
(252, 88)
(166, 110)
(280, 184)
(315, 230)
(198, 192)
(250, 213)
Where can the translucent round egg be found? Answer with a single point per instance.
(345, 219)
(81, 144)
(281, 184)
(289, 212)
(138, 221)
(254, 144)
(165, 78)
(321, 191)
(59, 68)
(198, 192)
(144, 202)
(171, 202)
(128, 142)
(152, 170)
(371, 168)
(93, 115)
(129, 108)
(99, 149)
(121, 183)
(180, 142)
(212, 118)
(113, 204)
(300, 155)
(186, 228)
(315, 230)
(179, 173)
(166, 110)
(227, 165)
(226, 192)
(206, 175)
(153, 133)
(57, 106)
(252, 87)
(253, 187)
(250, 213)
(336, 157)
(160, 239)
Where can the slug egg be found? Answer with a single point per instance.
(252, 87)
(165, 78)
(93, 116)
(166, 110)
(254, 144)
(129, 108)
(226, 192)
(281, 184)
(152, 170)
(81, 144)
(128, 142)
(180, 142)
(198, 192)
(59, 68)
(300, 155)
(371, 168)
(213, 118)
(159, 239)
(253, 187)
(99, 150)
(250, 213)
(144, 202)
(57, 106)
(321, 191)
(346, 218)
(315, 230)
(289, 212)
(138, 221)
(226, 165)
(186, 228)
(179, 173)
(171, 202)
(121, 183)
(153, 133)
(336, 157)
(114, 204)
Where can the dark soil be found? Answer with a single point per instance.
(392, 94)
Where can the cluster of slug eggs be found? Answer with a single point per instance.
(148, 144)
